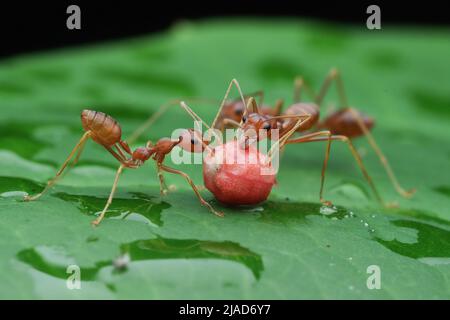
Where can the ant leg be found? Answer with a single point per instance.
(355, 155)
(119, 157)
(252, 102)
(278, 106)
(125, 146)
(122, 146)
(52, 181)
(299, 84)
(189, 180)
(259, 94)
(162, 184)
(334, 74)
(111, 195)
(119, 150)
(307, 138)
(384, 162)
(79, 152)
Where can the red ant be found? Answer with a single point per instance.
(106, 131)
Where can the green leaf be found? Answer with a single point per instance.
(285, 248)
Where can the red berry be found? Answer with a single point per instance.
(238, 176)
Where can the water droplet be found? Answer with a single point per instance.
(325, 210)
(434, 261)
(122, 261)
(366, 224)
(373, 216)
(350, 258)
(351, 288)
(255, 209)
(10, 194)
(54, 260)
(129, 207)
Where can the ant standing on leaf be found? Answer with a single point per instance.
(105, 131)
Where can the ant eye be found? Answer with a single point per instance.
(267, 126)
(193, 141)
(238, 112)
(244, 119)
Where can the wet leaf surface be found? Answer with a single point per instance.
(172, 247)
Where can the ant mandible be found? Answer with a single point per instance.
(106, 131)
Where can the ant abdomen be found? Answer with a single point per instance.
(344, 122)
(104, 129)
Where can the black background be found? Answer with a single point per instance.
(39, 25)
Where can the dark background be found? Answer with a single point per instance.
(31, 26)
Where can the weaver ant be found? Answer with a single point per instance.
(106, 131)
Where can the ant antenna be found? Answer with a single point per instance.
(287, 116)
(236, 84)
(197, 118)
(333, 75)
(192, 113)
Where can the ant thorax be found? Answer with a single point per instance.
(238, 176)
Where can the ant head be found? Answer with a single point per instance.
(191, 140)
(253, 123)
(233, 110)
